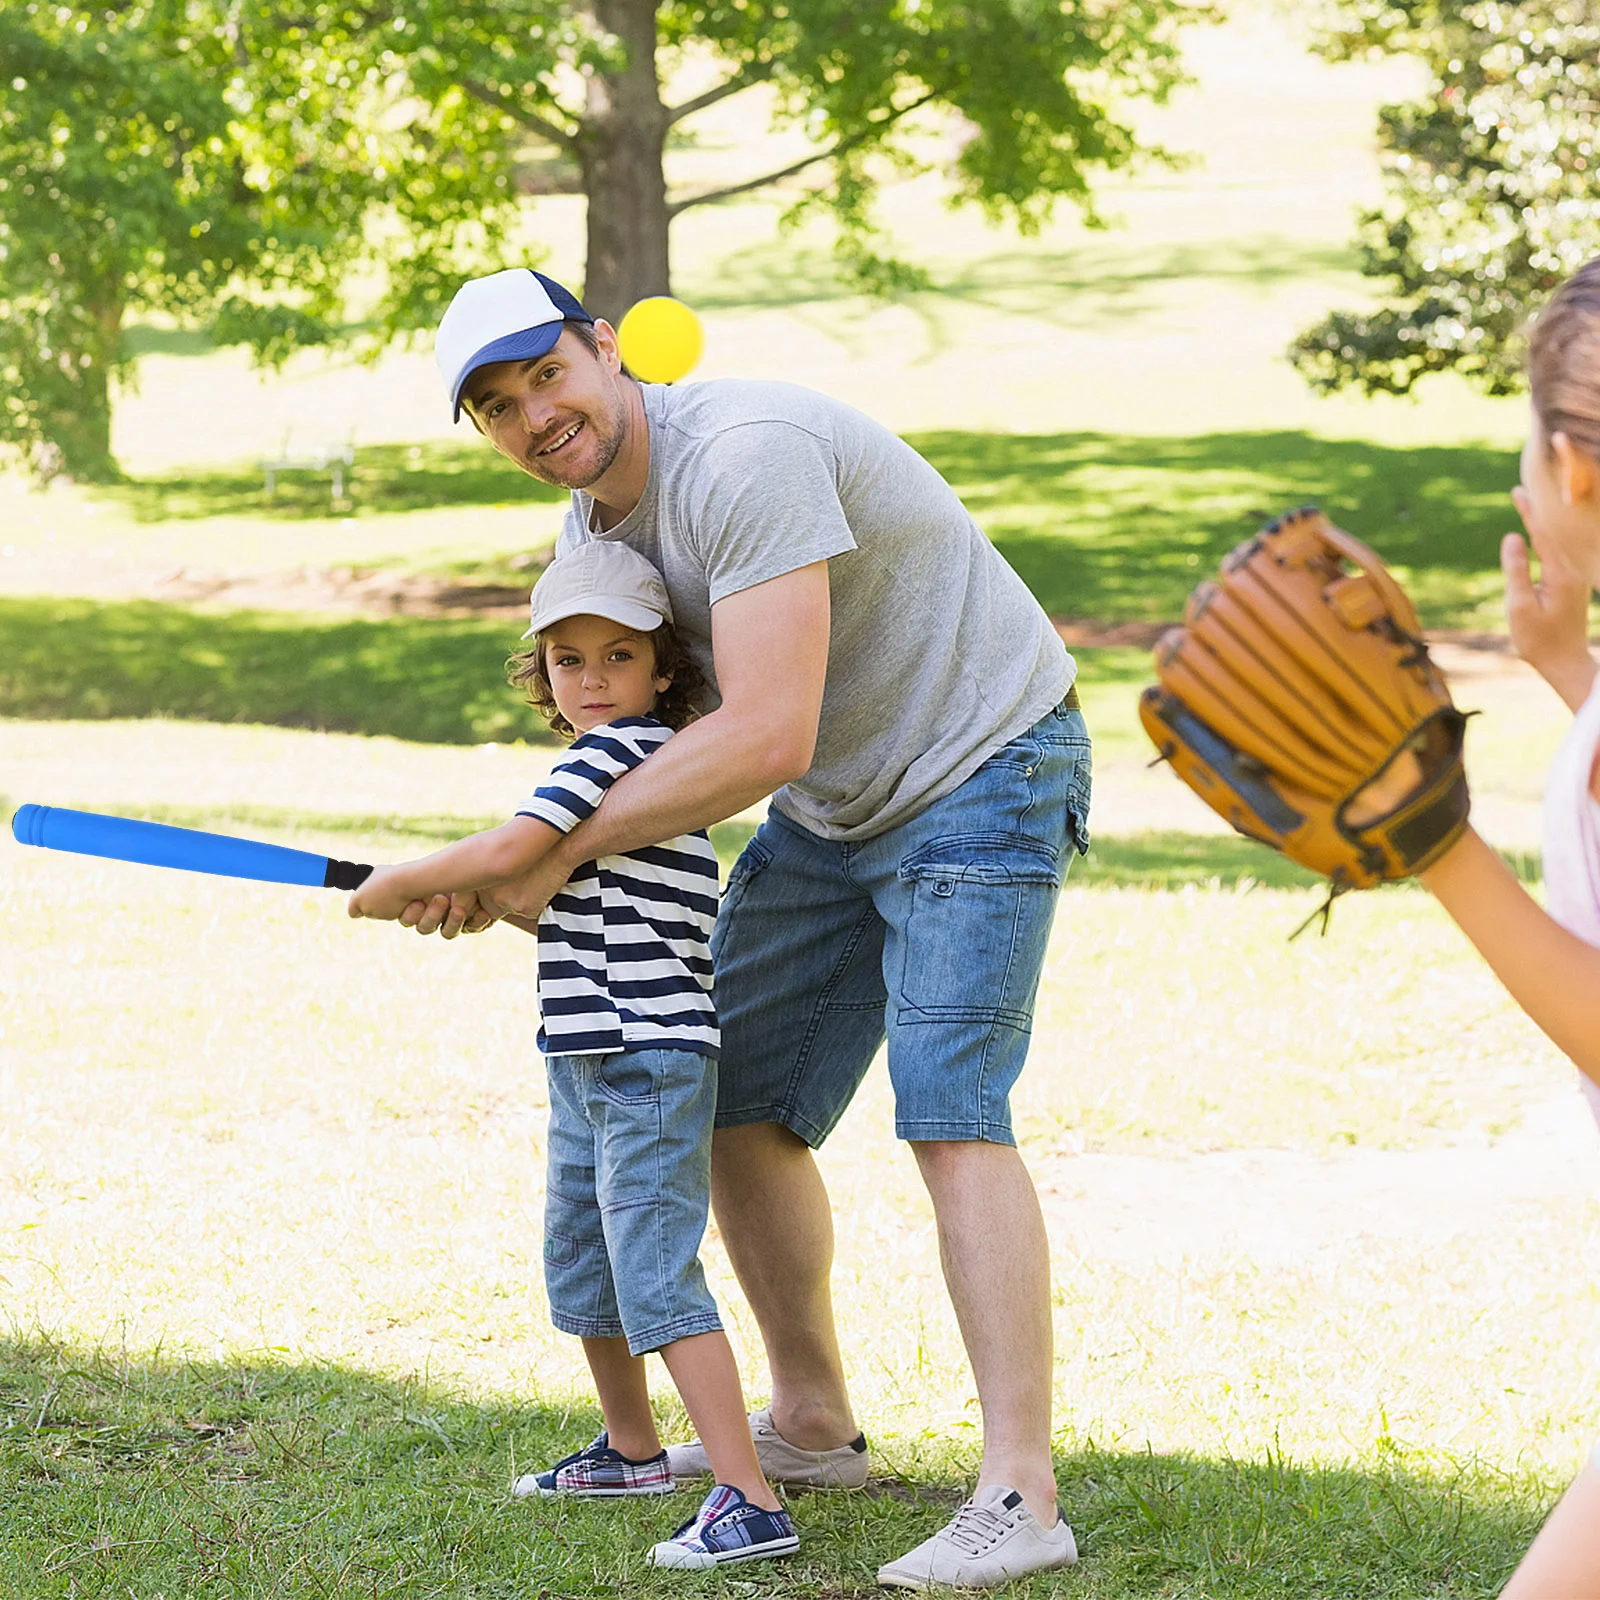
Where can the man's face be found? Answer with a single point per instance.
(561, 417)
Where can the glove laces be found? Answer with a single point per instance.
(1325, 911)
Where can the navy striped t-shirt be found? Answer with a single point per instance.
(625, 947)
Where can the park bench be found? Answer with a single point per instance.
(299, 453)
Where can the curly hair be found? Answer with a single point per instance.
(675, 705)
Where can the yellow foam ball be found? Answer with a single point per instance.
(661, 339)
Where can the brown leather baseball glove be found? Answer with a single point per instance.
(1298, 701)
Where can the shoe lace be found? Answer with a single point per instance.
(974, 1529)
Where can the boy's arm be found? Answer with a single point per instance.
(770, 644)
(1551, 973)
(476, 863)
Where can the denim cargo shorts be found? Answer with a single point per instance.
(932, 935)
(627, 1194)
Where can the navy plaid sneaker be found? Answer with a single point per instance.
(602, 1472)
(727, 1528)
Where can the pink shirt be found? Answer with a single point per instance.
(1572, 838)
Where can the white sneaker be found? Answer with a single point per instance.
(992, 1539)
(842, 1468)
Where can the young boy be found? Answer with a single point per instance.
(629, 1031)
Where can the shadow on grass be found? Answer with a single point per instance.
(257, 1477)
(437, 681)
(1122, 528)
(1109, 526)
(1067, 289)
(384, 478)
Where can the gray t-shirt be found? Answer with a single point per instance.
(938, 654)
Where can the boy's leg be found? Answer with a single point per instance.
(798, 951)
(707, 1379)
(624, 1390)
(629, 1459)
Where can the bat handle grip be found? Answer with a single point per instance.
(345, 874)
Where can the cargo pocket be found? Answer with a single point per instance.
(981, 907)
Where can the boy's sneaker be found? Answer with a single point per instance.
(602, 1472)
(725, 1529)
(992, 1539)
(782, 1462)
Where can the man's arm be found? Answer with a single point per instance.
(770, 646)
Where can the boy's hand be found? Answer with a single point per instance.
(382, 897)
(1548, 620)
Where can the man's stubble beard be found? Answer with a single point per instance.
(608, 445)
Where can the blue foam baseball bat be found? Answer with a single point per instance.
(90, 833)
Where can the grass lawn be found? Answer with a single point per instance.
(269, 1211)
(1322, 1213)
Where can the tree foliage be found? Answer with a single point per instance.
(253, 166)
(205, 163)
(1492, 186)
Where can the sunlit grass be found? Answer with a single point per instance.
(269, 1230)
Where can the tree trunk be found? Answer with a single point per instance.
(78, 442)
(625, 131)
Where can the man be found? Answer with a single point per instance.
(883, 675)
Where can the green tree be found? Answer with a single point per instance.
(1033, 83)
(230, 162)
(116, 194)
(206, 163)
(1492, 184)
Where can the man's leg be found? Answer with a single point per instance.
(798, 951)
(773, 1211)
(996, 1263)
(968, 891)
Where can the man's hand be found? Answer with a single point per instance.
(528, 895)
(448, 915)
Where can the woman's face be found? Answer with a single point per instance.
(1560, 495)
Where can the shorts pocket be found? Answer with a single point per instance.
(560, 1251)
(629, 1078)
(753, 859)
(979, 919)
(1078, 814)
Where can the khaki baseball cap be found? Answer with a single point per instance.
(603, 578)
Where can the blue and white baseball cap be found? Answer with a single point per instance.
(507, 316)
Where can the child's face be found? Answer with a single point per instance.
(1560, 494)
(600, 670)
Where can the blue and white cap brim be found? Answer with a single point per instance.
(520, 346)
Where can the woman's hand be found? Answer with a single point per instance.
(1548, 620)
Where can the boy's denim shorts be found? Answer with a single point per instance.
(932, 935)
(627, 1193)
